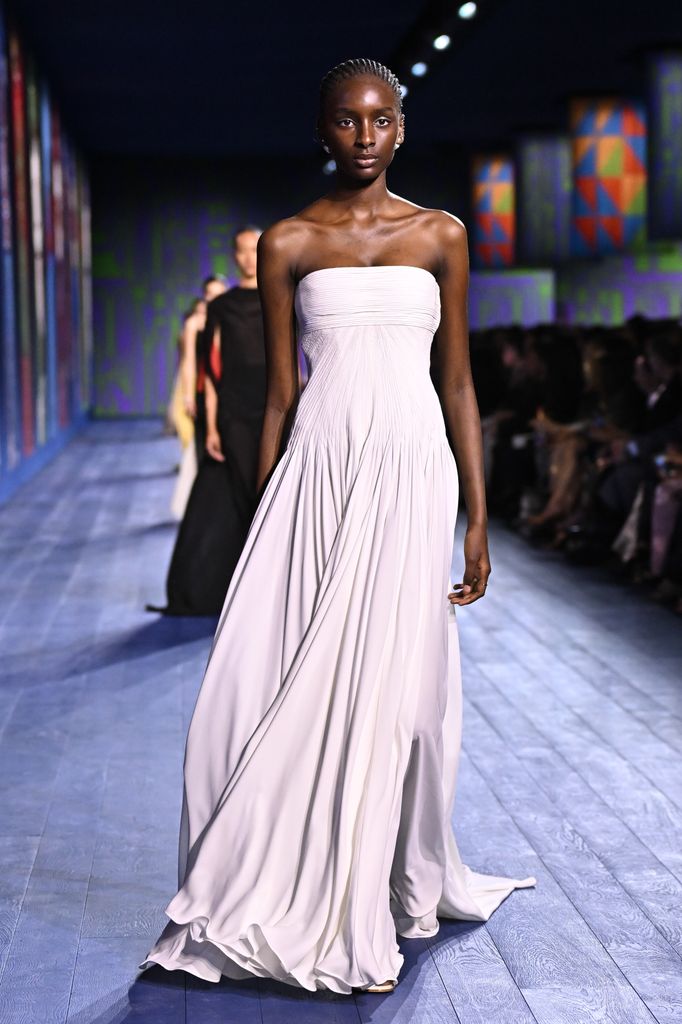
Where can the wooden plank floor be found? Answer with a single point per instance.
(571, 771)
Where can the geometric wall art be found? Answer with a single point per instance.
(494, 211)
(502, 297)
(157, 235)
(609, 176)
(543, 193)
(665, 145)
(614, 288)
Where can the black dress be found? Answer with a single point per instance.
(223, 498)
(200, 396)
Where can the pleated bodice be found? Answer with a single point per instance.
(367, 333)
(369, 296)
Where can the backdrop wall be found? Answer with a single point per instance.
(161, 227)
(45, 326)
(613, 289)
(524, 297)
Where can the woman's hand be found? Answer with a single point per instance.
(476, 568)
(214, 447)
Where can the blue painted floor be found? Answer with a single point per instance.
(571, 771)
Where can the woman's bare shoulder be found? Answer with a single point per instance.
(290, 236)
(441, 221)
(439, 236)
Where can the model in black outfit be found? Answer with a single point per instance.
(223, 498)
(235, 415)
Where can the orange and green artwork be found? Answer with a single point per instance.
(494, 211)
(609, 176)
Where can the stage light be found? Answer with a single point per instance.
(329, 167)
(467, 11)
(403, 90)
(441, 42)
(419, 69)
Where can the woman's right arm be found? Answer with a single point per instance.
(213, 443)
(188, 367)
(276, 287)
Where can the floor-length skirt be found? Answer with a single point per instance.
(321, 759)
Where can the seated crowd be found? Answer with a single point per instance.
(582, 431)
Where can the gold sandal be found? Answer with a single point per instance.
(386, 986)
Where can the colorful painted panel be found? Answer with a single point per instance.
(45, 333)
(609, 176)
(544, 190)
(494, 211)
(665, 155)
(613, 289)
(498, 298)
(20, 202)
(50, 282)
(10, 427)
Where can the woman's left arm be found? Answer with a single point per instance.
(460, 407)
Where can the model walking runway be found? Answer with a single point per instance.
(321, 759)
(569, 768)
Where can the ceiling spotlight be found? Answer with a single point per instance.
(403, 90)
(329, 167)
(419, 69)
(467, 11)
(441, 42)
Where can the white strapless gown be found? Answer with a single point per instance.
(322, 755)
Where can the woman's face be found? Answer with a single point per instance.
(245, 250)
(361, 126)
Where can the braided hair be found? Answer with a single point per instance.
(353, 69)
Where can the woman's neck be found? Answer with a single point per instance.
(367, 198)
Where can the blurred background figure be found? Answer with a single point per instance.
(235, 366)
(222, 500)
(183, 407)
(586, 449)
(188, 405)
(197, 355)
(507, 425)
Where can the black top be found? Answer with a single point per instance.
(241, 385)
(223, 497)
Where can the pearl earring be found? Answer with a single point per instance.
(325, 147)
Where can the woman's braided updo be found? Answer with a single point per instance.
(354, 68)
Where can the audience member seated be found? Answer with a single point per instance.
(583, 442)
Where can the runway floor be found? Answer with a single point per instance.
(571, 771)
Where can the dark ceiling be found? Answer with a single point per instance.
(214, 78)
